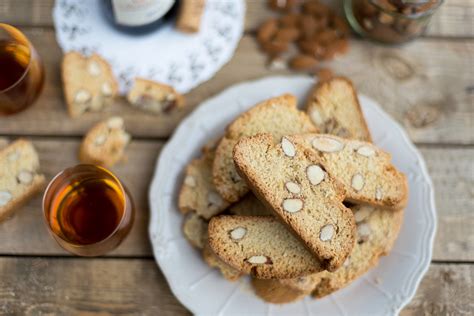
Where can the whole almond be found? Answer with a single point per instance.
(287, 34)
(290, 20)
(338, 47)
(326, 37)
(303, 62)
(274, 48)
(267, 30)
(308, 26)
(312, 48)
(315, 8)
(340, 25)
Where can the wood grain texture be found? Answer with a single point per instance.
(66, 287)
(445, 290)
(91, 287)
(453, 19)
(429, 94)
(25, 233)
(452, 172)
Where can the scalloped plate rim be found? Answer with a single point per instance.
(154, 224)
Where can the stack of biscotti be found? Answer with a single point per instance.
(199, 198)
(292, 232)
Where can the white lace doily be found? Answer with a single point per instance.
(166, 55)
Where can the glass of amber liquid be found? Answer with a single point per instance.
(21, 71)
(88, 210)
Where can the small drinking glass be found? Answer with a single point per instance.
(21, 71)
(88, 210)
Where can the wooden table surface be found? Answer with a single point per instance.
(426, 85)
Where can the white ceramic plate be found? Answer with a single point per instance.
(382, 291)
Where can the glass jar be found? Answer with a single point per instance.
(390, 21)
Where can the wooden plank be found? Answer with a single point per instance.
(452, 172)
(428, 93)
(24, 233)
(454, 18)
(91, 286)
(445, 290)
(36, 286)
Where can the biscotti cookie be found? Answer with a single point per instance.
(292, 182)
(189, 16)
(89, 84)
(277, 116)
(198, 193)
(195, 230)
(334, 108)
(260, 246)
(377, 230)
(284, 291)
(228, 272)
(249, 206)
(105, 143)
(364, 169)
(20, 176)
(154, 97)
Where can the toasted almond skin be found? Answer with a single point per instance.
(287, 34)
(303, 62)
(275, 48)
(267, 30)
(290, 20)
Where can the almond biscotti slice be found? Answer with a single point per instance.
(105, 143)
(334, 108)
(20, 177)
(89, 84)
(260, 246)
(154, 97)
(293, 182)
(364, 169)
(198, 193)
(377, 230)
(277, 116)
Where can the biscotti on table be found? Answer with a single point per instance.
(20, 177)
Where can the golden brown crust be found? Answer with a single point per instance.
(334, 108)
(277, 116)
(267, 169)
(88, 83)
(155, 97)
(105, 143)
(281, 291)
(383, 227)
(284, 257)
(380, 183)
(21, 178)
